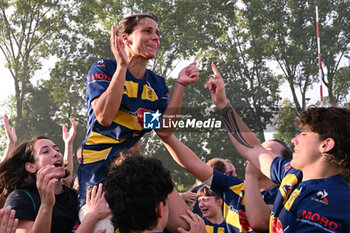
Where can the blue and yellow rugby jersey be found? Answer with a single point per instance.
(214, 228)
(319, 205)
(269, 195)
(231, 190)
(105, 142)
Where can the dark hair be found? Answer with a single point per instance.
(133, 189)
(286, 153)
(128, 24)
(331, 122)
(13, 174)
(116, 161)
(217, 164)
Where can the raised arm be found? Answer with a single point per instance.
(106, 106)
(258, 212)
(68, 138)
(241, 136)
(187, 159)
(11, 137)
(187, 75)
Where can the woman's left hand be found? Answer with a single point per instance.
(189, 74)
(68, 136)
(8, 222)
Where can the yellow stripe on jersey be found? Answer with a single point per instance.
(148, 93)
(291, 199)
(221, 230)
(271, 223)
(286, 185)
(90, 156)
(131, 89)
(231, 217)
(96, 138)
(127, 120)
(209, 229)
(238, 188)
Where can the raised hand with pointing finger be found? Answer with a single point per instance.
(216, 86)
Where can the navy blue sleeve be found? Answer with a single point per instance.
(279, 169)
(223, 181)
(269, 196)
(99, 77)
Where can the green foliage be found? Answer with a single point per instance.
(342, 85)
(28, 28)
(285, 122)
(335, 39)
(240, 41)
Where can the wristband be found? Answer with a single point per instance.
(180, 83)
(228, 106)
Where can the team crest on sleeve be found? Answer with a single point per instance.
(101, 62)
(287, 168)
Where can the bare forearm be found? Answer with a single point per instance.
(177, 207)
(258, 212)
(187, 159)
(106, 106)
(8, 150)
(42, 223)
(245, 140)
(68, 160)
(172, 110)
(88, 224)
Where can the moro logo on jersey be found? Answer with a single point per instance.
(99, 76)
(317, 218)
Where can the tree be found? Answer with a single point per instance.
(285, 122)
(342, 85)
(291, 29)
(335, 43)
(25, 39)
